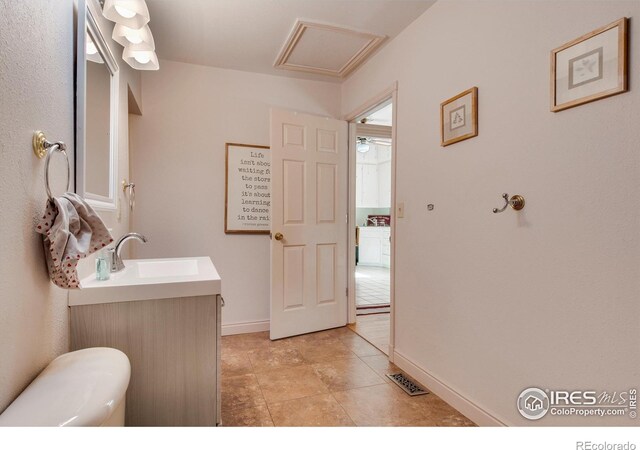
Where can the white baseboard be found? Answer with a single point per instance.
(462, 404)
(245, 327)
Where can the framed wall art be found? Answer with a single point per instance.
(247, 203)
(591, 67)
(459, 117)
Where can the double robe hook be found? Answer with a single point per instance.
(516, 202)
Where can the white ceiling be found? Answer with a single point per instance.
(249, 34)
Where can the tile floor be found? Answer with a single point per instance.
(372, 285)
(374, 328)
(329, 378)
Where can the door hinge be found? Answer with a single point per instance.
(347, 292)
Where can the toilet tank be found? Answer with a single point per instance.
(82, 388)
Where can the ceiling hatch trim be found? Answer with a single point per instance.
(371, 43)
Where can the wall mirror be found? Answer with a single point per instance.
(96, 110)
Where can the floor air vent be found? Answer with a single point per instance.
(407, 384)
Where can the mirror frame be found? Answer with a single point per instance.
(89, 15)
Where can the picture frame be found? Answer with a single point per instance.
(459, 117)
(247, 191)
(591, 67)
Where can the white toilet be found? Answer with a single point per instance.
(82, 388)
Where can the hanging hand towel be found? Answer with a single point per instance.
(71, 230)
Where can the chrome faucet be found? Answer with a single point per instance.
(115, 260)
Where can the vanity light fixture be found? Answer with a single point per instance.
(362, 146)
(141, 59)
(136, 40)
(131, 13)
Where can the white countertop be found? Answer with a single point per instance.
(148, 279)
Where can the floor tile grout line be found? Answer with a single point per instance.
(264, 398)
(259, 388)
(329, 393)
(343, 409)
(372, 369)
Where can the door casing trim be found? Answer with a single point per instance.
(390, 93)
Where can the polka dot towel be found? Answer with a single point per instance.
(71, 230)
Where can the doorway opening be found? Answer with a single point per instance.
(371, 158)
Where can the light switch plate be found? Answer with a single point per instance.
(400, 210)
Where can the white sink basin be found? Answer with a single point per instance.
(167, 268)
(147, 279)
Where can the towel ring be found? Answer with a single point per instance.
(42, 147)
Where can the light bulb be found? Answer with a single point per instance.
(133, 37)
(142, 57)
(362, 147)
(130, 13)
(124, 12)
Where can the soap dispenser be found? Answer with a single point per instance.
(102, 266)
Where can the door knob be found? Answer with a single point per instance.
(278, 236)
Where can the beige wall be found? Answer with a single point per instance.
(490, 304)
(36, 92)
(178, 157)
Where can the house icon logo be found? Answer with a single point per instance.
(533, 403)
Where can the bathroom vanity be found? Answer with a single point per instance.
(164, 314)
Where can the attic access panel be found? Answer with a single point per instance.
(326, 49)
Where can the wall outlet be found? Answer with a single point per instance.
(400, 210)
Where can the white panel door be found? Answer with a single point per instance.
(308, 223)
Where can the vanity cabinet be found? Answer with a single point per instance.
(374, 248)
(169, 327)
(172, 344)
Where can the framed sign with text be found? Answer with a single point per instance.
(248, 189)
